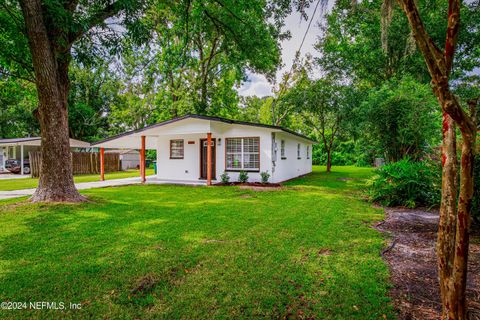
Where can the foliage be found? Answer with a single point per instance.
(185, 248)
(18, 102)
(407, 183)
(265, 176)
(400, 119)
(225, 178)
(94, 90)
(243, 177)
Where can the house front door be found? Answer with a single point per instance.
(203, 158)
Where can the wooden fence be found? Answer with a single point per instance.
(82, 162)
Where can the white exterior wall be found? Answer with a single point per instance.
(239, 131)
(188, 168)
(130, 160)
(2, 159)
(291, 167)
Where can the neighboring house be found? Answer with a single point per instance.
(181, 146)
(129, 159)
(18, 149)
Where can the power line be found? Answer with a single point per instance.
(297, 53)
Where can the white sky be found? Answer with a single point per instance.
(258, 84)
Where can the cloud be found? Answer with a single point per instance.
(256, 85)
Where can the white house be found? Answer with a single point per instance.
(182, 153)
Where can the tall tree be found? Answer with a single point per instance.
(455, 212)
(202, 49)
(51, 28)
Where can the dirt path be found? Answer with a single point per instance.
(413, 265)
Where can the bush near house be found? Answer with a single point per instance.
(243, 177)
(406, 183)
(225, 178)
(265, 176)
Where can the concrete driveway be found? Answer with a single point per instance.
(103, 184)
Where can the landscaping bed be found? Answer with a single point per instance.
(251, 185)
(411, 257)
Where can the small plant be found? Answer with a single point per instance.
(225, 178)
(243, 177)
(265, 176)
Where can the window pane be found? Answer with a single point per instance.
(234, 145)
(234, 161)
(176, 148)
(250, 145)
(282, 148)
(251, 161)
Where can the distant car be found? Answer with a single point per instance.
(13, 166)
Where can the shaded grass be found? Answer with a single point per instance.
(197, 252)
(30, 183)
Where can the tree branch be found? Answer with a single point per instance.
(96, 19)
(452, 32)
(432, 54)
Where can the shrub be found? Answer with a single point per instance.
(407, 183)
(476, 190)
(225, 178)
(265, 176)
(243, 177)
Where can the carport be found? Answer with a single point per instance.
(18, 148)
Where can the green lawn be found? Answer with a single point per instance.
(28, 183)
(158, 251)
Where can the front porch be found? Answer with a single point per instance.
(186, 153)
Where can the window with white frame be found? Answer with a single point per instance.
(298, 151)
(308, 152)
(176, 149)
(282, 149)
(242, 154)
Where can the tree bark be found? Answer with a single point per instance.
(329, 160)
(51, 70)
(454, 224)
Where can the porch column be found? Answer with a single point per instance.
(102, 164)
(21, 159)
(142, 160)
(209, 159)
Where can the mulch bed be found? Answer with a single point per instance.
(256, 186)
(413, 264)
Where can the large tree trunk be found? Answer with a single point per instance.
(51, 71)
(454, 224)
(452, 244)
(329, 160)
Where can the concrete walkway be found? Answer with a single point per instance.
(103, 184)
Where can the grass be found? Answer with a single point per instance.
(163, 251)
(29, 183)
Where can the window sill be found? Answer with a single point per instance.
(240, 170)
(283, 158)
(171, 158)
(299, 158)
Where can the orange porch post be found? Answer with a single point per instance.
(142, 160)
(102, 164)
(209, 159)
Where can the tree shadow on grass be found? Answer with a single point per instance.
(200, 252)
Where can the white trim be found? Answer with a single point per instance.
(21, 159)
